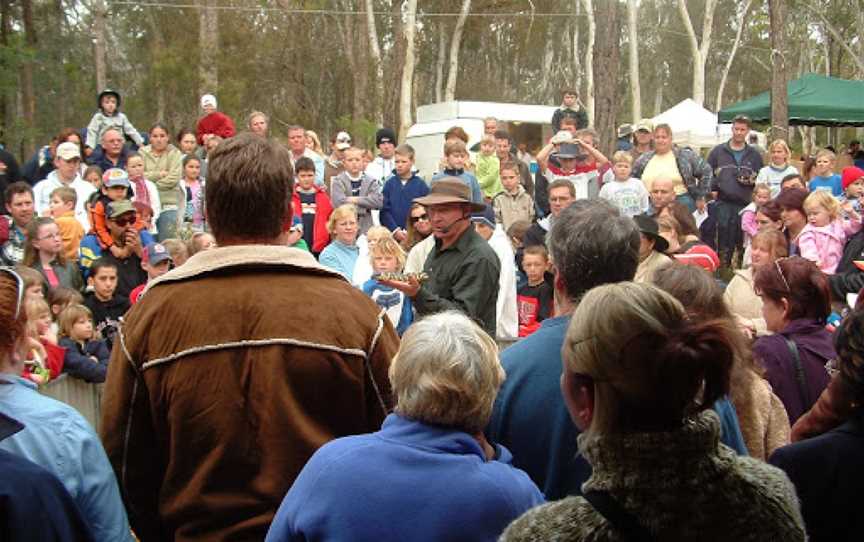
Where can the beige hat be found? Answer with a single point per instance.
(449, 190)
(644, 125)
(68, 151)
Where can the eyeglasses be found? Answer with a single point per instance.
(20, 282)
(782, 276)
(123, 222)
(424, 217)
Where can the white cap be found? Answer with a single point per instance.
(68, 151)
(208, 99)
(343, 140)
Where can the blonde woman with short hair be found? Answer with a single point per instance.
(429, 473)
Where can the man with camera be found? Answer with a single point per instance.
(735, 165)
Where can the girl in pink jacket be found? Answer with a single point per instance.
(823, 238)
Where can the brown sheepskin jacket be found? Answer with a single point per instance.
(227, 375)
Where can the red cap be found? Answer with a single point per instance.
(850, 175)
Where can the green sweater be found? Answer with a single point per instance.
(170, 161)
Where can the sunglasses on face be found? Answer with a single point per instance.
(20, 282)
(124, 221)
(424, 217)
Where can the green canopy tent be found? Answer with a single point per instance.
(814, 100)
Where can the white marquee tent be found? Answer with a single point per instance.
(693, 125)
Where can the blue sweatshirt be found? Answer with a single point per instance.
(396, 303)
(398, 198)
(408, 481)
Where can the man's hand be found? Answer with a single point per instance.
(119, 252)
(410, 288)
(133, 242)
(400, 235)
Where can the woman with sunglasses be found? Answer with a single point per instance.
(640, 378)
(55, 436)
(795, 305)
(420, 241)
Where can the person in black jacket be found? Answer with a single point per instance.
(34, 504)
(827, 470)
(848, 279)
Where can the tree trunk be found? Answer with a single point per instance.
(375, 51)
(635, 87)
(439, 63)
(779, 99)
(208, 28)
(407, 87)
(545, 86)
(28, 96)
(699, 51)
(100, 37)
(157, 53)
(741, 18)
(577, 60)
(826, 25)
(589, 61)
(452, 74)
(607, 54)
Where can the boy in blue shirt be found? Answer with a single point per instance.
(824, 176)
(399, 191)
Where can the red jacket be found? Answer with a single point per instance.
(323, 208)
(216, 123)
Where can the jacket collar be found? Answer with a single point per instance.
(423, 435)
(243, 256)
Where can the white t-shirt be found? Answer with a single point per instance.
(630, 196)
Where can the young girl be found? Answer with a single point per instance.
(143, 190)
(58, 299)
(44, 252)
(45, 358)
(194, 186)
(386, 256)
(823, 238)
(778, 168)
(93, 175)
(85, 357)
(761, 196)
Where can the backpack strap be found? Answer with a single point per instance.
(623, 521)
(800, 375)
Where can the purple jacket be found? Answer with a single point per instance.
(814, 347)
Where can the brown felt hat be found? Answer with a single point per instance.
(449, 190)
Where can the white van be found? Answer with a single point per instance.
(529, 124)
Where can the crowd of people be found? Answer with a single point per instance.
(662, 344)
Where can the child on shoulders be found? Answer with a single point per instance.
(626, 193)
(108, 116)
(488, 174)
(823, 238)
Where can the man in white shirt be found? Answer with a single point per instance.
(67, 161)
(507, 322)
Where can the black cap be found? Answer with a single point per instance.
(385, 135)
(648, 226)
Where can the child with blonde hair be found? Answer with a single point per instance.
(761, 195)
(824, 177)
(778, 166)
(386, 256)
(45, 358)
(823, 238)
(488, 172)
(86, 358)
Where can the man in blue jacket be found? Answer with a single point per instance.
(735, 165)
(591, 244)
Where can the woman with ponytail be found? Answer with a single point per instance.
(639, 378)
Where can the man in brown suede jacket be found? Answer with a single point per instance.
(234, 368)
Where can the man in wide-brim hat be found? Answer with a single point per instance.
(652, 249)
(463, 269)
